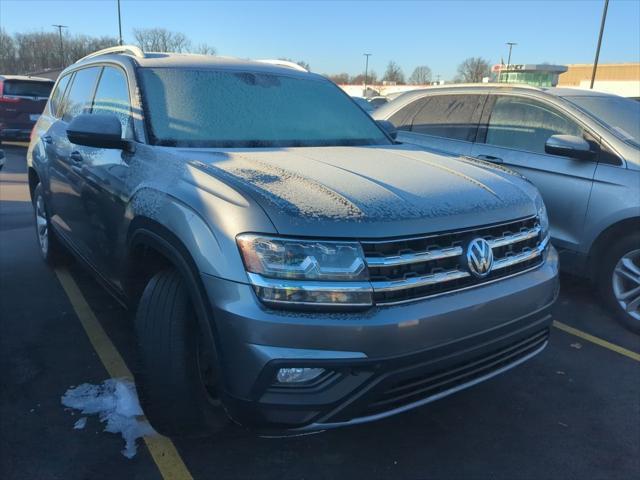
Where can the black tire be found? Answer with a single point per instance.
(605, 279)
(170, 379)
(51, 248)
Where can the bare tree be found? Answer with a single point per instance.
(393, 73)
(8, 53)
(339, 78)
(421, 75)
(161, 40)
(372, 78)
(204, 49)
(473, 70)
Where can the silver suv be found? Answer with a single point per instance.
(290, 266)
(580, 148)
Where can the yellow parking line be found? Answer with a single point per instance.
(163, 451)
(598, 341)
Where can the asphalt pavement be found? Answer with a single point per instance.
(571, 412)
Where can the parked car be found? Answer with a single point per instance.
(2, 159)
(362, 103)
(290, 265)
(22, 100)
(579, 147)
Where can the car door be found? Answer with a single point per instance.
(443, 123)
(515, 134)
(103, 173)
(65, 181)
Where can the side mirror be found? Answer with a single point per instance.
(388, 127)
(100, 130)
(569, 146)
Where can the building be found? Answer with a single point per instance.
(619, 78)
(543, 75)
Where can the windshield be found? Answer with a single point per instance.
(620, 115)
(27, 88)
(208, 108)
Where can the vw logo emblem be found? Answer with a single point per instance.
(479, 257)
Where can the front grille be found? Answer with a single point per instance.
(416, 388)
(412, 268)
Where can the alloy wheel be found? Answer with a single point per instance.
(626, 283)
(42, 226)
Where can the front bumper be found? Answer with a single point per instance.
(380, 362)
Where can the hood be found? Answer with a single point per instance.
(370, 192)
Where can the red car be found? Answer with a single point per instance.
(22, 100)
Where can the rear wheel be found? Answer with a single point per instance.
(178, 375)
(51, 249)
(619, 280)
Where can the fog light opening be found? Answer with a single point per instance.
(298, 375)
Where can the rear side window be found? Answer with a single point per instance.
(27, 88)
(112, 96)
(56, 97)
(80, 95)
(525, 124)
(450, 116)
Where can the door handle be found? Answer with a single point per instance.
(47, 139)
(490, 158)
(76, 157)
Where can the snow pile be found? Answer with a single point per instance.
(116, 403)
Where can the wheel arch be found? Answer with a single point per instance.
(148, 237)
(615, 231)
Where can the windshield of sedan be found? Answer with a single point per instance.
(620, 115)
(209, 108)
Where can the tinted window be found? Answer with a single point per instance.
(54, 103)
(249, 109)
(450, 116)
(112, 96)
(526, 124)
(78, 100)
(402, 118)
(27, 88)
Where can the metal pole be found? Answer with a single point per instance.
(60, 27)
(511, 44)
(366, 71)
(119, 25)
(595, 63)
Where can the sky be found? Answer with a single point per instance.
(333, 35)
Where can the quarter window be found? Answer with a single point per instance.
(56, 97)
(525, 124)
(80, 95)
(112, 96)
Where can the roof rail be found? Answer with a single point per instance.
(284, 63)
(130, 49)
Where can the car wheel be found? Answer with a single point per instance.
(177, 377)
(619, 280)
(51, 249)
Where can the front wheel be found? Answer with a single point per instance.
(177, 379)
(619, 280)
(51, 249)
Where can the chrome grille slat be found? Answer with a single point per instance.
(409, 258)
(515, 238)
(415, 282)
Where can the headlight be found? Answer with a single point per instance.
(543, 218)
(306, 272)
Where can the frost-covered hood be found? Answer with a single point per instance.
(370, 191)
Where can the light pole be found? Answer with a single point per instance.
(119, 25)
(60, 27)
(511, 44)
(366, 71)
(595, 62)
